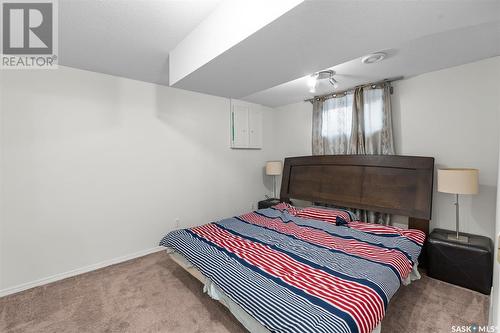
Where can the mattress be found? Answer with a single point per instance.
(293, 274)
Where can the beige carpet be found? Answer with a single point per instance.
(153, 294)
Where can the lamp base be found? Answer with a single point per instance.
(461, 238)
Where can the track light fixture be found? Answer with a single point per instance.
(333, 82)
(313, 80)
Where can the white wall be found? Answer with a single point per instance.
(494, 314)
(452, 115)
(292, 131)
(1, 184)
(95, 167)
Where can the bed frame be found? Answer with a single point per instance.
(400, 185)
(389, 184)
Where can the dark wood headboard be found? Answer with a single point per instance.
(400, 185)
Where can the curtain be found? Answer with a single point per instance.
(356, 122)
(332, 131)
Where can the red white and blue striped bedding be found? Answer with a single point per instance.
(324, 214)
(295, 274)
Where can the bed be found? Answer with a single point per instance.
(282, 270)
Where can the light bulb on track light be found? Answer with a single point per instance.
(312, 82)
(333, 82)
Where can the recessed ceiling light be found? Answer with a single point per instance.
(373, 58)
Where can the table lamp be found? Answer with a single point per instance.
(458, 181)
(273, 168)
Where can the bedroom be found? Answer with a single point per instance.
(131, 135)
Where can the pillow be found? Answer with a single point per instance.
(283, 206)
(325, 214)
(352, 215)
(341, 222)
(415, 235)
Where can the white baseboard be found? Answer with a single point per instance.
(60, 276)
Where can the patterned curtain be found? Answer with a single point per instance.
(357, 122)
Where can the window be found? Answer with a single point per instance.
(338, 114)
(337, 117)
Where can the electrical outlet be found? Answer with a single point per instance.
(177, 223)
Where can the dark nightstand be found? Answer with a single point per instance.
(469, 265)
(268, 203)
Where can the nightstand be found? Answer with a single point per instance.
(469, 265)
(268, 203)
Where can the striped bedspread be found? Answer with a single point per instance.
(302, 275)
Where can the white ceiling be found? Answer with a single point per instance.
(320, 34)
(132, 39)
(129, 38)
(228, 25)
(430, 53)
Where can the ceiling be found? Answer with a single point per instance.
(426, 54)
(128, 38)
(270, 66)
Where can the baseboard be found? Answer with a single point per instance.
(78, 271)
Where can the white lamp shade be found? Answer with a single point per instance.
(458, 181)
(273, 168)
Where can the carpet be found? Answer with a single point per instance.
(154, 294)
